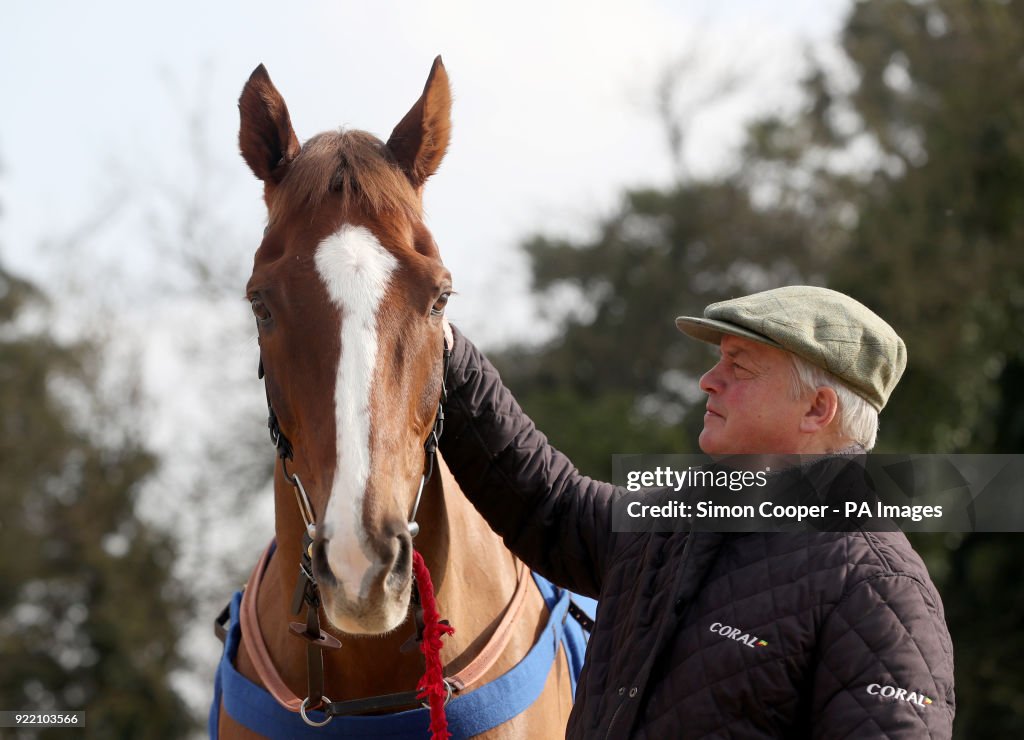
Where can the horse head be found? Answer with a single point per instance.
(348, 291)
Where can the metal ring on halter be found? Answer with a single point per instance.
(447, 698)
(307, 720)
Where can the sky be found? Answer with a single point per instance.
(122, 192)
(553, 117)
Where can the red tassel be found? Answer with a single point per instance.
(432, 686)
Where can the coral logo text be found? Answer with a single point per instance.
(735, 633)
(899, 694)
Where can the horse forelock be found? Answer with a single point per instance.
(356, 166)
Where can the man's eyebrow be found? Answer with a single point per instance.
(749, 359)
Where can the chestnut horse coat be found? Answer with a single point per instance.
(701, 634)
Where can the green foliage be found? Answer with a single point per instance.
(619, 357)
(608, 425)
(936, 247)
(88, 609)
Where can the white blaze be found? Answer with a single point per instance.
(355, 269)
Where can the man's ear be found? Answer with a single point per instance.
(823, 407)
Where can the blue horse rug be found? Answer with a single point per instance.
(468, 715)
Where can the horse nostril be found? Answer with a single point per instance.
(403, 557)
(321, 566)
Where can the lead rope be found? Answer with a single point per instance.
(432, 686)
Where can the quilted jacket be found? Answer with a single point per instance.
(700, 634)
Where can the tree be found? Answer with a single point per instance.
(935, 241)
(88, 607)
(619, 360)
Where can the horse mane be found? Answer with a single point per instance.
(354, 164)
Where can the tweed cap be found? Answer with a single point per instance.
(827, 328)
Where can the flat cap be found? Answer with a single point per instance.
(827, 328)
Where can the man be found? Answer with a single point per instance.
(850, 635)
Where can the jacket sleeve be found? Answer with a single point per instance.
(558, 521)
(885, 666)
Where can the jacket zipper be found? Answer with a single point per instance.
(684, 557)
(615, 714)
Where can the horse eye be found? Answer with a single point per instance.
(260, 310)
(438, 308)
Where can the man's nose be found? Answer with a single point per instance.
(709, 381)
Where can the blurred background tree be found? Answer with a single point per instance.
(617, 378)
(166, 504)
(89, 615)
(901, 182)
(933, 231)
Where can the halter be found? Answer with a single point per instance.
(286, 453)
(307, 591)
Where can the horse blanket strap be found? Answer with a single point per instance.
(469, 714)
(254, 643)
(577, 612)
(576, 631)
(499, 640)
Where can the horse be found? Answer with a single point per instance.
(348, 291)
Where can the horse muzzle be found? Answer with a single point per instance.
(365, 587)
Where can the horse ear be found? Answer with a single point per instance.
(420, 140)
(266, 137)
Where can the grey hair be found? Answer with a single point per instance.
(857, 419)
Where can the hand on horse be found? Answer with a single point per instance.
(448, 333)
